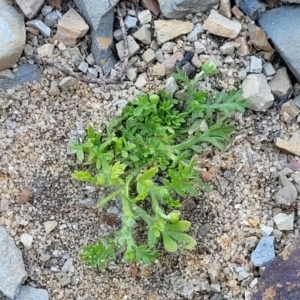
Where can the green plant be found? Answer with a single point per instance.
(146, 159)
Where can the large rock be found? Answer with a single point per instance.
(178, 9)
(252, 8)
(285, 34)
(101, 19)
(30, 293)
(25, 73)
(12, 269)
(281, 278)
(12, 35)
(257, 91)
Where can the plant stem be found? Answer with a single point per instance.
(110, 197)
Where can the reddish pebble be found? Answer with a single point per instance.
(24, 196)
(294, 165)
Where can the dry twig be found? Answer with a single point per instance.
(122, 67)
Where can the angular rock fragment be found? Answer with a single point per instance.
(30, 8)
(219, 25)
(12, 271)
(264, 252)
(30, 293)
(284, 221)
(281, 83)
(292, 145)
(167, 30)
(257, 91)
(252, 8)
(133, 47)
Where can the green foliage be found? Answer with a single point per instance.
(146, 157)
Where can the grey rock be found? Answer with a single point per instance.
(54, 90)
(215, 287)
(171, 86)
(28, 49)
(90, 59)
(131, 74)
(268, 69)
(217, 297)
(12, 35)
(88, 202)
(149, 56)
(288, 193)
(145, 16)
(182, 288)
(100, 18)
(257, 91)
(143, 35)
(26, 240)
(30, 8)
(214, 271)
(30, 293)
(252, 8)
(83, 67)
(68, 266)
(284, 221)
(25, 73)
(130, 22)
(7, 73)
(178, 9)
(51, 18)
(67, 82)
(92, 72)
(264, 252)
(63, 279)
(189, 69)
(229, 47)
(243, 275)
(12, 271)
(193, 36)
(285, 34)
(141, 81)
(255, 65)
(40, 26)
(281, 83)
(132, 45)
(47, 9)
(118, 35)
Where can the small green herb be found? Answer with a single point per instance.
(146, 157)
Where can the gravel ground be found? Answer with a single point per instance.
(35, 129)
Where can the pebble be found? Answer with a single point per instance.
(292, 145)
(118, 35)
(40, 26)
(83, 67)
(167, 30)
(24, 196)
(67, 82)
(243, 49)
(63, 279)
(193, 36)
(266, 230)
(50, 225)
(68, 266)
(284, 221)
(145, 16)
(237, 12)
(255, 65)
(29, 293)
(26, 240)
(92, 72)
(252, 8)
(143, 35)
(133, 47)
(281, 83)
(257, 91)
(221, 26)
(225, 8)
(141, 81)
(88, 202)
(47, 9)
(30, 8)
(171, 86)
(130, 22)
(215, 287)
(70, 28)
(149, 56)
(243, 275)
(159, 70)
(54, 90)
(289, 111)
(268, 69)
(259, 38)
(131, 74)
(199, 47)
(264, 252)
(50, 19)
(46, 50)
(229, 48)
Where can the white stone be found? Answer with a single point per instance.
(83, 66)
(284, 221)
(118, 35)
(131, 74)
(281, 83)
(50, 225)
(266, 230)
(141, 81)
(219, 25)
(253, 283)
(257, 91)
(229, 47)
(68, 266)
(145, 16)
(194, 34)
(46, 10)
(255, 65)
(143, 35)
(12, 35)
(30, 8)
(215, 287)
(46, 50)
(130, 22)
(268, 69)
(92, 72)
(54, 90)
(199, 47)
(243, 275)
(7, 73)
(248, 295)
(26, 240)
(171, 86)
(149, 56)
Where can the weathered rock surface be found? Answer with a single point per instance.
(288, 194)
(30, 8)
(178, 9)
(30, 293)
(282, 32)
(219, 25)
(292, 145)
(257, 91)
(25, 73)
(281, 278)
(281, 83)
(100, 18)
(12, 35)
(284, 221)
(167, 30)
(12, 271)
(70, 28)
